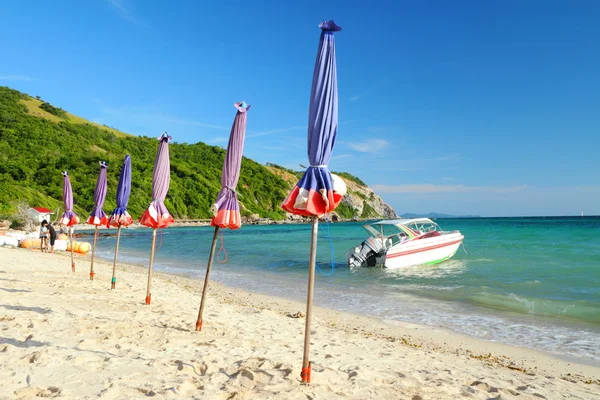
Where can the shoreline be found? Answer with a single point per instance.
(570, 357)
(206, 222)
(436, 333)
(525, 319)
(230, 313)
(393, 329)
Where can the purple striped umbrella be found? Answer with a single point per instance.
(226, 209)
(317, 193)
(69, 218)
(98, 217)
(120, 217)
(157, 215)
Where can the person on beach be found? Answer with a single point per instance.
(43, 238)
(51, 233)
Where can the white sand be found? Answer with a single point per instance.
(63, 335)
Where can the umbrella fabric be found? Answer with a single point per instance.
(318, 192)
(157, 215)
(120, 216)
(226, 209)
(68, 218)
(98, 217)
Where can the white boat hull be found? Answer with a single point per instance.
(423, 251)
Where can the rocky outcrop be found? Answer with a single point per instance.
(365, 202)
(359, 203)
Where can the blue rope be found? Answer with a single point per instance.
(332, 252)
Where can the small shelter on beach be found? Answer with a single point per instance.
(38, 214)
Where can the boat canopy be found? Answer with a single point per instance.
(404, 221)
(405, 227)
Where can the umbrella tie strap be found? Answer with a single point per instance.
(233, 190)
(222, 250)
(160, 243)
(319, 166)
(332, 251)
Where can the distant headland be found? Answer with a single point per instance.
(437, 215)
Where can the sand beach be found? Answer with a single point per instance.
(65, 336)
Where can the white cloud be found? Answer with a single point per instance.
(218, 139)
(369, 146)
(274, 131)
(372, 88)
(377, 129)
(124, 12)
(150, 117)
(430, 188)
(15, 78)
(340, 156)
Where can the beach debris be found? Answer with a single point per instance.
(298, 314)
(33, 357)
(467, 390)
(32, 392)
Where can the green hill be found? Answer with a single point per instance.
(38, 141)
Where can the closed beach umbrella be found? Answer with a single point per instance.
(98, 217)
(157, 215)
(69, 218)
(226, 210)
(317, 193)
(120, 217)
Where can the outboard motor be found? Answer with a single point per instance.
(366, 254)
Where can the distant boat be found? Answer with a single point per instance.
(582, 214)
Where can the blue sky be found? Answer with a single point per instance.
(462, 107)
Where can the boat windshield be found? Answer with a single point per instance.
(412, 229)
(423, 227)
(388, 230)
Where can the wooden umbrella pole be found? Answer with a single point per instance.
(305, 374)
(113, 281)
(93, 253)
(205, 287)
(71, 241)
(148, 295)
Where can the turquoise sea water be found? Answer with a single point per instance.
(523, 281)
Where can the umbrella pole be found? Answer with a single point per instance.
(305, 374)
(113, 281)
(71, 241)
(93, 253)
(205, 287)
(148, 295)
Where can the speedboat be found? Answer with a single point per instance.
(400, 243)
